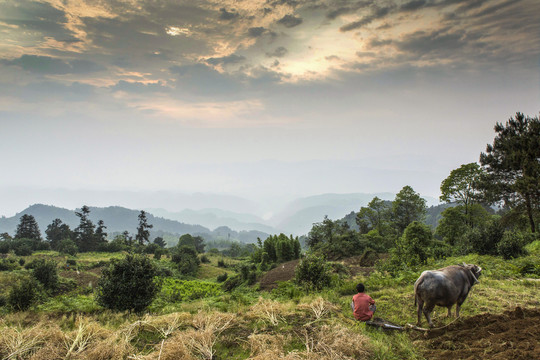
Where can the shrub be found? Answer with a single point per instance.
(221, 263)
(313, 272)
(71, 262)
(23, 294)
(46, 273)
(159, 252)
(128, 284)
(4, 247)
(186, 259)
(68, 246)
(175, 290)
(221, 278)
(205, 259)
(21, 261)
(511, 245)
(232, 282)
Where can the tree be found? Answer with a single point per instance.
(374, 217)
(101, 235)
(313, 272)
(56, 232)
(196, 242)
(187, 260)
(412, 247)
(128, 284)
(84, 233)
(143, 234)
(462, 186)
(407, 207)
(512, 166)
(160, 242)
(28, 228)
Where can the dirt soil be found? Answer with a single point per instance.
(512, 335)
(282, 272)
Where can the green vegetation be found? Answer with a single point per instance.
(75, 302)
(128, 284)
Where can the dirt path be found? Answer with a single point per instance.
(513, 335)
(282, 272)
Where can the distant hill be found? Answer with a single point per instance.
(299, 215)
(119, 219)
(213, 218)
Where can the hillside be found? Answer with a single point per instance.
(119, 219)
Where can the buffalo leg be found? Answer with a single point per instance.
(420, 306)
(458, 306)
(427, 313)
(449, 311)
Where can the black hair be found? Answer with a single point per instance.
(360, 287)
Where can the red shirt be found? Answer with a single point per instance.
(361, 306)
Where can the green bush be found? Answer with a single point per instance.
(46, 273)
(4, 247)
(6, 265)
(187, 260)
(232, 283)
(221, 278)
(512, 245)
(128, 284)
(221, 263)
(313, 272)
(24, 294)
(204, 259)
(68, 246)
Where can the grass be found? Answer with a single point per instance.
(195, 319)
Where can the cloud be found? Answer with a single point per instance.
(139, 87)
(280, 51)
(37, 20)
(50, 65)
(349, 9)
(226, 15)
(377, 13)
(226, 60)
(413, 5)
(290, 21)
(256, 31)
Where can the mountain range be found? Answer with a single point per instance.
(295, 217)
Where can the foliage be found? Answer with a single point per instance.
(128, 284)
(462, 186)
(376, 216)
(56, 232)
(222, 277)
(67, 246)
(143, 234)
(511, 163)
(28, 228)
(24, 294)
(160, 242)
(85, 233)
(336, 240)
(482, 240)
(186, 259)
(204, 259)
(313, 272)
(45, 272)
(23, 247)
(175, 290)
(407, 207)
(512, 245)
(195, 242)
(455, 222)
(276, 249)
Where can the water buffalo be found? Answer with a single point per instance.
(444, 287)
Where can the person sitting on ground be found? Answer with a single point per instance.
(363, 305)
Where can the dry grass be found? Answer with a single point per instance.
(318, 308)
(269, 311)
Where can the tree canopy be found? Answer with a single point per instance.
(513, 167)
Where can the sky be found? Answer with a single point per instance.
(262, 99)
